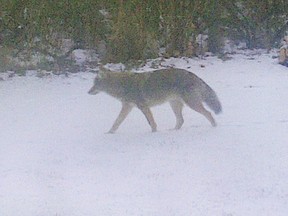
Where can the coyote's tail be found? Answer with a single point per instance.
(211, 99)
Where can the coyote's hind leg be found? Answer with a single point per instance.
(177, 107)
(198, 107)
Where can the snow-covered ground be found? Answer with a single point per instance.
(56, 160)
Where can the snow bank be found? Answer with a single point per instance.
(56, 159)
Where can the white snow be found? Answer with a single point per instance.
(56, 160)
(81, 56)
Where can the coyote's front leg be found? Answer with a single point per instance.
(149, 116)
(126, 108)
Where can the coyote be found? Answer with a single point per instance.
(144, 90)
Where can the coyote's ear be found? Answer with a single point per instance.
(100, 75)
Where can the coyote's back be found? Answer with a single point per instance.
(144, 90)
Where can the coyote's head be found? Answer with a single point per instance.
(99, 81)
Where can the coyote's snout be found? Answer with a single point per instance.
(93, 91)
(144, 90)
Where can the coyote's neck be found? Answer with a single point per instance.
(117, 85)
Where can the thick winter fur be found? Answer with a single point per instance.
(144, 90)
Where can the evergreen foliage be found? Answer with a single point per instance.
(137, 29)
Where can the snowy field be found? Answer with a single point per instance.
(56, 160)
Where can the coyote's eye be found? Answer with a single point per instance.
(99, 76)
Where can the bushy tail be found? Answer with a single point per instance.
(211, 99)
